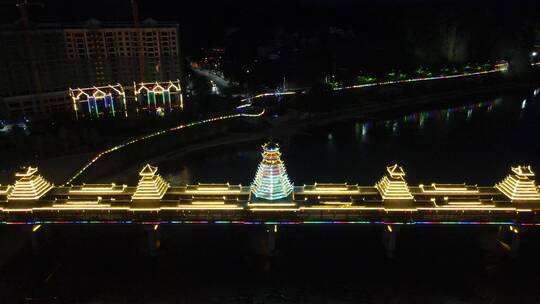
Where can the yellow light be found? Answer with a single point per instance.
(204, 207)
(335, 203)
(271, 204)
(336, 192)
(275, 209)
(208, 202)
(156, 227)
(519, 186)
(341, 208)
(36, 228)
(393, 186)
(79, 207)
(464, 203)
(389, 228)
(457, 189)
(400, 209)
(469, 208)
(29, 186)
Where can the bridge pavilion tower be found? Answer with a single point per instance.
(151, 185)
(393, 185)
(519, 186)
(29, 186)
(271, 185)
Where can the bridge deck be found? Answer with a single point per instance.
(231, 203)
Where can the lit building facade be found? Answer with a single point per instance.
(158, 97)
(38, 66)
(98, 101)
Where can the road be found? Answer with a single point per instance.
(220, 82)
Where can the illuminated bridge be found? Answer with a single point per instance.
(272, 199)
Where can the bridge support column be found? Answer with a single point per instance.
(271, 233)
(152, 238)
(34, 233)
(389, 238)
(509, 238)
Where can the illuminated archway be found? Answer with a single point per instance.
(155, 95)
(96, 101)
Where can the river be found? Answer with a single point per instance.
(475, 142)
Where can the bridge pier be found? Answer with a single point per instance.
(34, 234)
(509, 238)
(389, 239)
(271, 234)
(152, 238)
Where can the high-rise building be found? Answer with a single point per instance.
(40, 64)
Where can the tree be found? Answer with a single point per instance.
(453, 43)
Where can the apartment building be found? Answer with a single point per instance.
(39, 65)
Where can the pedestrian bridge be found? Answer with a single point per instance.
(272, 199)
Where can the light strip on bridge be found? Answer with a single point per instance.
(326, 192)
(467, 208)
(336, 203)
(208, 202)
(341, 208)
(275, 209)
(86, 222)
(211, 191)
(271, 204)
(204, 207)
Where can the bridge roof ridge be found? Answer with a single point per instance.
(148, 170)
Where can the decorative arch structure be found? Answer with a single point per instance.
(98, 101)
(153, 96)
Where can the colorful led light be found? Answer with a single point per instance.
(271, 182)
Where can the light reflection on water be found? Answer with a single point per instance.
(419, 119)
(474, 143)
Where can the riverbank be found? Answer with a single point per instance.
(169, 160)
(165, 151)
(373, 109)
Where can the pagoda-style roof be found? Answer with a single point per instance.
(519, 186)
(271, 182)
(27, 171)
(29, 185)
(270, 146)
(523, 170)
(148, 170)
(395, 170)
(151, 186)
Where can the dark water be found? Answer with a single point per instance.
(474, 143)
(313, 264)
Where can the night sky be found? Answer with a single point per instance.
(205, 22)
